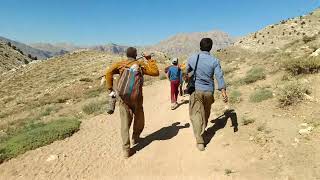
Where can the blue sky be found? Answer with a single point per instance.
(138, 22)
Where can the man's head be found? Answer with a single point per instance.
(132, 52)
(175, 61)
(206, 44)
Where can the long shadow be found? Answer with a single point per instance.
(164, 133)
(220, 123)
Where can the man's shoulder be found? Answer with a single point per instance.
(193, 57)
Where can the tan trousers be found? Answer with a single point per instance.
(199, 111)
(133, 111)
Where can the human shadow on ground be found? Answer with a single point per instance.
(220, 123)
(164, 133)
(182, 103)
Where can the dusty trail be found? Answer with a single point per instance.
(168, 152)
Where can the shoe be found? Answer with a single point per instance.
(135, 140)
(174, 106)
(200, 147)
(127, 153)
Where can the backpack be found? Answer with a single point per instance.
(130, 83)
(191, 86)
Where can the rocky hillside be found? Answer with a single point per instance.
(278, 35)
(185, 44)
(28, 49)
(56, 49)
(110, 48)
(11, 57)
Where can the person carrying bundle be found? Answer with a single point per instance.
(129, 94)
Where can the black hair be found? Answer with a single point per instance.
(132, 52)
(206, 44)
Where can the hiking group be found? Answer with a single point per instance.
(200, 70)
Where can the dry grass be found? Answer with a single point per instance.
(304, 65)
(260, 95)
(253, 75)
(292, 93)
(235, 97)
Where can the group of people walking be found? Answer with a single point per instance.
(200, 70)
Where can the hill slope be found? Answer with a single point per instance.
(55, 49)
(10, 58)
(278, 35)
(185, 44)
(28, 49)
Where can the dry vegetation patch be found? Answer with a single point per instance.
(292, 92)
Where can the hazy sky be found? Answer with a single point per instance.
(138, 22)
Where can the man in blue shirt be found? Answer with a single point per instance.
(202, 99)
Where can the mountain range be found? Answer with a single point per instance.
(180, 44)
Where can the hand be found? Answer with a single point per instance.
(148, 57)
(224, 95)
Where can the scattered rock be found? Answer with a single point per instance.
(251, 138)
(304, 125)
(52, 157)
(315, 53)
(2, 133)
(294, 145)
(305, 131)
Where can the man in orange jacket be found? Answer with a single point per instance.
(131, 109)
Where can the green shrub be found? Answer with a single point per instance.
(95, 107)
(260, 95)
(306, 65)
(36, 135)
(235, 97)
(291, 93)
(254, 75)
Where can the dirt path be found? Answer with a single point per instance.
(169, 151)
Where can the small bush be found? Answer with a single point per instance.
(307, 65)
(95, 107)
(291, 93)
(46, 111)
(261, 95)
(307, 39)
(254, 75)
(235, 97)
(261, 127)
(36, 135)
(86, 80)
(246, 121)
(229, 69)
